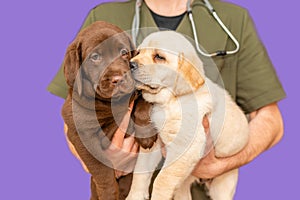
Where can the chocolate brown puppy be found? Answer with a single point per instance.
(97, 71)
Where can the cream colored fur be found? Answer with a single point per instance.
(173, 79)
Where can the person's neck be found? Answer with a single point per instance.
(167, 7)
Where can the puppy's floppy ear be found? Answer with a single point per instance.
(133, 53)
(132, 50)
(190, 72)
(72, 62)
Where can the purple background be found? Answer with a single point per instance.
(35, 162)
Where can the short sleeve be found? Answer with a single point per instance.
(58, 85)
(257, 82)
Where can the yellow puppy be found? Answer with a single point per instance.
(171, 76)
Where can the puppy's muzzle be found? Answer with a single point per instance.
(117, 79)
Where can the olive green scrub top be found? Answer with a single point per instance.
(248, 75)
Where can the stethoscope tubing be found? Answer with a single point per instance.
(217, 18)
(206, 3)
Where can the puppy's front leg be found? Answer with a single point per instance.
(178, 166)
(184, 191)
(146, 163)
(168, 180)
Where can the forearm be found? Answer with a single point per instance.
(265, 130)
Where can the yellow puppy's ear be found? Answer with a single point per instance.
(71, 64)
(190, 72)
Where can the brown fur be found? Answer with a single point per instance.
(86, 107)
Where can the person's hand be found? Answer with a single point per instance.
(209, 166)
(123, 151)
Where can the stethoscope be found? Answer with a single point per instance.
(206, 3)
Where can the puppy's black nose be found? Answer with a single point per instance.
(134, 66)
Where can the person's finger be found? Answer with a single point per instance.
(125, 162)
(128, 143)
(124, 123)
(131, 106)
(205, 124)
(118, 139)
(209, 145)
(135, 148)
(118, 174)
(119, 135)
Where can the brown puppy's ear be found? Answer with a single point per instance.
(189, 72)
(72, 63)
(133, 53)
(132, 49)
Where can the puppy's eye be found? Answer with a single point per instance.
(124, 52)
(159, 57)
(95, 56)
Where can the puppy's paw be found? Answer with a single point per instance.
(138, 196)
